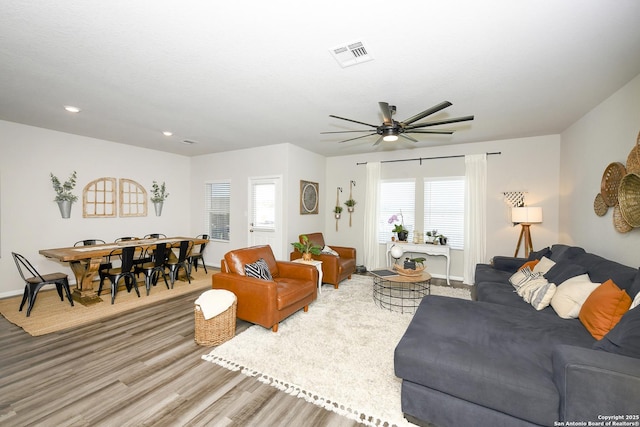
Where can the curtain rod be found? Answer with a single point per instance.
(420, 159)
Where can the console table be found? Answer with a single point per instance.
(427, 249)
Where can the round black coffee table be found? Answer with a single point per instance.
(401, 293)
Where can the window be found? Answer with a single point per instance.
(396, 197)
(444, 208)
(263, 215)
(217, 209)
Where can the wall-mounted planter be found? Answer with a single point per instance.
(158, 207)
(65, 208)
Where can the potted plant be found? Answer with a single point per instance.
(64, 197)
(158, 195)
(350, 205)
(337, 211)
(399, 228)
(306, 248)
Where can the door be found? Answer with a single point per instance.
(265, 214)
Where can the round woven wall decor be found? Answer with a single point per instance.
(629, 199)
(599, 206)
(611, 181)
(633, 160)
(619, 222)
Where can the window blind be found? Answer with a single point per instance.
(396, 197)
(217, 209)
(444, 208)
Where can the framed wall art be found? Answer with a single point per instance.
(309, 197)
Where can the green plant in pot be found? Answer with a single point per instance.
(399, 229)
(350, 204)
(337, 211)
(64, 196)
(306, 247)
(158, 196)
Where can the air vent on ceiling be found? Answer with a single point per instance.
(351, 54)
(188, 142)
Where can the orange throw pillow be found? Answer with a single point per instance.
(529, 264)
(603, 309)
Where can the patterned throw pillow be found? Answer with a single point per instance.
(258, 270)
(328, 251)
(522, 276)
(537, 292)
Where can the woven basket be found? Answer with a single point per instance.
(633, 160)
(611, 181)
(629, 199)
(620, 224)
(216, 330)
(599, 206)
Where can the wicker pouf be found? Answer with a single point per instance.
(219, 328)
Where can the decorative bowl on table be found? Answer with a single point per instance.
(408, 271)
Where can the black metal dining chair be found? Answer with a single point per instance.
(33, 284)
(152, 270)
(124, 271)
(198, 254)
(181, 261)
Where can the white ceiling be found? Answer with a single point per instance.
(239, 74)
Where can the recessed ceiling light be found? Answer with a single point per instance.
(71, 109)
(167, 133)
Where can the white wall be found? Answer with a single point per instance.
(286, 160)
(604, 135)
(526, 164)
(30, 219)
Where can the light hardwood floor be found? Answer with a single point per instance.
(140, 368)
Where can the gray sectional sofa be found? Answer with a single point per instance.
(498, 361)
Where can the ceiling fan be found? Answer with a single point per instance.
(391, 129)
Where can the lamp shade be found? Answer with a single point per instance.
(526, 215)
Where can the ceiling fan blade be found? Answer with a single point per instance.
(440, 132)
(347, 131)
(439, 122)
(358, 137)
(354, 121)
(386, 113)
(378, 141)
(428, 112)
(408, 137)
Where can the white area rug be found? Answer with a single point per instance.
(339, 355)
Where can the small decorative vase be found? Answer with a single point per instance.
(402, 235)
(350, 209)
(65, 208)
(158, 207)
(307, 256)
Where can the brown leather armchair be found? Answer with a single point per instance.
(335, 269)
(266, 302)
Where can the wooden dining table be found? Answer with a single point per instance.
(85, 261)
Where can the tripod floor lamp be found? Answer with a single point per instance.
(526, 216)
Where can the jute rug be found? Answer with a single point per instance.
(339, 355)
(49, 314)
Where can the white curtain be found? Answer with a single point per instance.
(371, 245)
(475, 214)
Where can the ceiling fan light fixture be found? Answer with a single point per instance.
(390, 138)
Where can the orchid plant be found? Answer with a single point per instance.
(397, 228)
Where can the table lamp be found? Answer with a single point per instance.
(526, 216)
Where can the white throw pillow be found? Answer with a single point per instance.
(537, 292)
(328, 251)
(544, 265)
(635, 302)
(571, 294)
